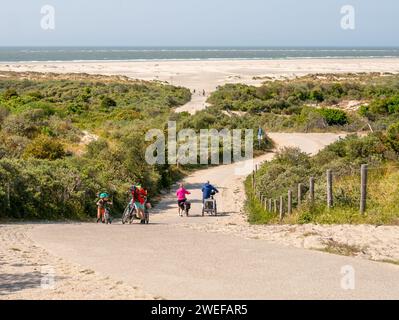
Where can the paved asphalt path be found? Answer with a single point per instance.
(176, 262)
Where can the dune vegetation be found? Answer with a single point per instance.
(313, 103)
(65, 138)
(379, 149)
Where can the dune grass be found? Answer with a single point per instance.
(278, 176)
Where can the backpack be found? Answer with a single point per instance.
(133, 190)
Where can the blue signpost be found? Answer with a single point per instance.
(260, 135)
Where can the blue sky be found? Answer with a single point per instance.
(199, 23)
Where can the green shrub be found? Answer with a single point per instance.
(36, 95)
(97, 149)
(4, 112)
(44, 147)
(334, 117)
(107, 103)
(9, 94)
(13, 146)
(40, 189)
(311, 119)
(26, 124)
(393, 136)
(365, 111)
(317, 95)
(385, 106)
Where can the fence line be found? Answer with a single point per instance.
(277, 205)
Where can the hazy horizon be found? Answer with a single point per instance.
(206, 46)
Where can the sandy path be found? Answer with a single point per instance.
(175, 261)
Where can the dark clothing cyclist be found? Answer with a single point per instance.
(208, 190)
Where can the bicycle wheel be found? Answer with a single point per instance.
(126, 214)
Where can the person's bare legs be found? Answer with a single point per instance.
(99, 214)
(141, 214)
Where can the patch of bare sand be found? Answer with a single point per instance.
(26, 272)
(367, 241)
(378, 243)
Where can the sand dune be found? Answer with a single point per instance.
(207, 75)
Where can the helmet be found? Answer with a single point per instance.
(104, 195)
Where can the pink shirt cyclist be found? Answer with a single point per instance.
(181, 193)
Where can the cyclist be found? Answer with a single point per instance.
(101, 205)
(181, 198)
(139, 197)
(207, 191)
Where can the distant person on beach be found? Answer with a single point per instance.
(203, 92)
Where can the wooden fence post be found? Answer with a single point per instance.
(265, 204)
(289, 202)
(275, 206)
(329, 189)
(311, 190)
(281, 209)
(270, 205)
(299, 194)
(363, 188)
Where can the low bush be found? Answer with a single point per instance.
(45, 147)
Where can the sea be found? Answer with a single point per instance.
(32, 54)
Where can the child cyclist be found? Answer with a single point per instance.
(101, 205)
